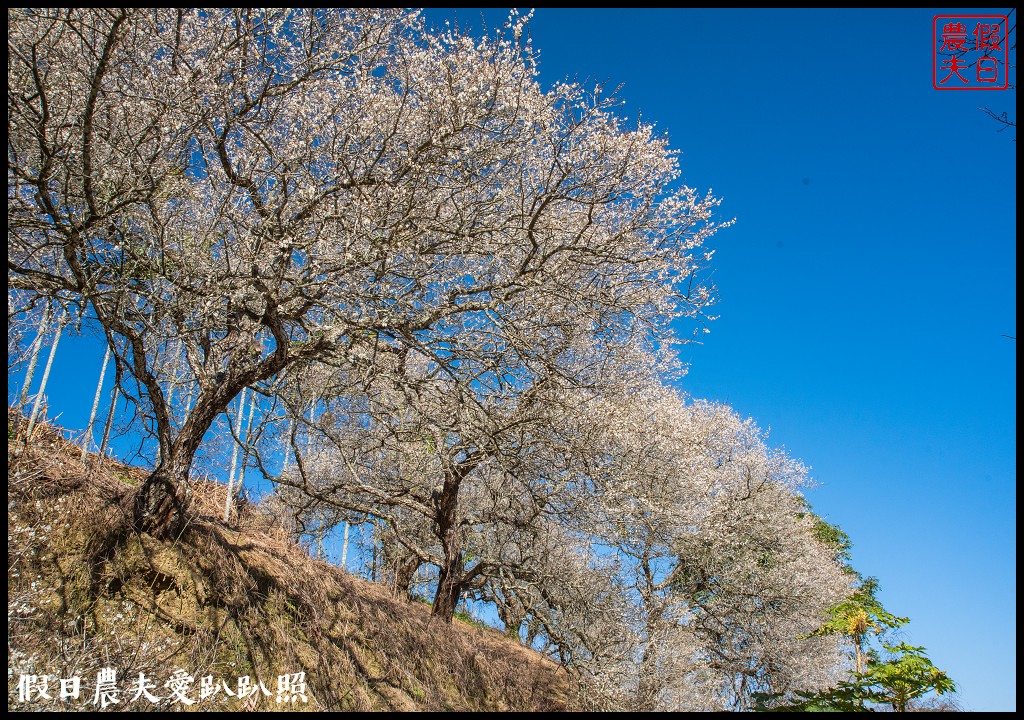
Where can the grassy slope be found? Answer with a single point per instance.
(84, 592)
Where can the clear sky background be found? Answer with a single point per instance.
(864, 290)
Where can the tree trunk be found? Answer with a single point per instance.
(449, 588)
(404, 572)
(533, 630)
(161, 504)
(650, 685)
(511, 615)
(449, 532)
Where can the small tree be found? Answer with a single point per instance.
(710, 572)
(905, 676)
(859, 617)
(899, 681)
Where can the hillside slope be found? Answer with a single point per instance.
(86, 593)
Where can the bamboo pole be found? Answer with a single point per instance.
(234, 453)
(42, 385)
(37, 345)
(95, 405)
(110, 421)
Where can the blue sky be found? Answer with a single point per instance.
(864, 290)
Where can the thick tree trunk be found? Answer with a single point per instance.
(404, 572)
(449, 532)
(161, 504)
(449, 588)
(511, 615)
(649, 687)
(533, 630)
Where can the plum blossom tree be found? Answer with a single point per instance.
(461, 473)
(710, 544)
(258, 191)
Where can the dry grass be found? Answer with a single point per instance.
(85, 592)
